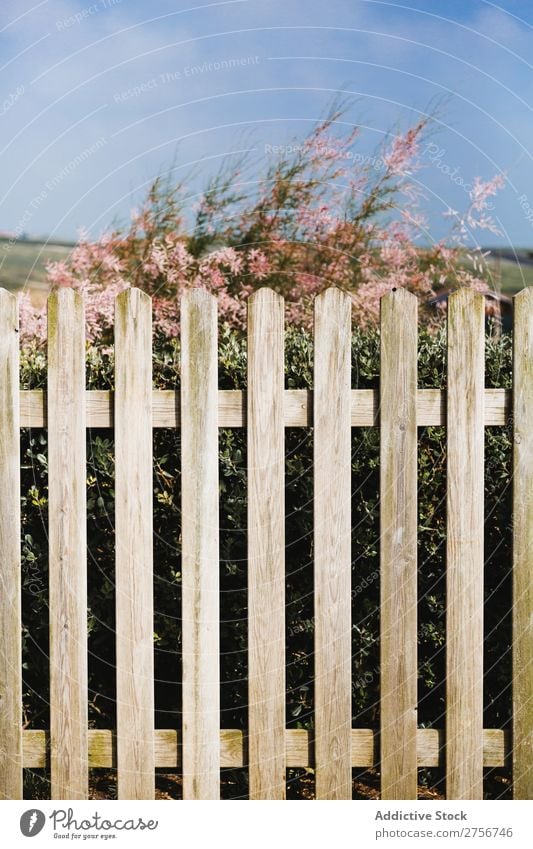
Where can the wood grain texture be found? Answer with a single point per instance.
(10, 579)
(398, 545)
(134, 556)
(298, 408)
(298, 746)
(464, 587)
(523, 545)
(266, 546)
(67, 545)
(332, 544)
(200, 547)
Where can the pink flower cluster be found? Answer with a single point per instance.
(322, 216)
(96, 270)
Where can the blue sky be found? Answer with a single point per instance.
(99, 96)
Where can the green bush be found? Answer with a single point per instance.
(299, 495)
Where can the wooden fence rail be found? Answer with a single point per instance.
(267, 749)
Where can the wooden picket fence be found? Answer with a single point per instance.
(332, 408)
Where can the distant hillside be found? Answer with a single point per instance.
(511, 269)
(22, 263)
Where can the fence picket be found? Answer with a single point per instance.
(134, 555)
(464, 568)
(10, 580)
(266, 546)
(398, 542)
(200, 555)
(523, 545)
(332, 544)
(67, 545)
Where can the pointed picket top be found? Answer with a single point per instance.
(9, 313)
(399, 293)
(527, 291)
(401, 303)
(65, 295)
(198, 295)
(131, 301)
(525, 294)
(523, 315)
(332, 296)
(7, 297)
(265, 295)
(465, 296)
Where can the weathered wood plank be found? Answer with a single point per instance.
(10, 578)
(266, 546)
(67, 545)
(523, 545)
(298, 408)
(465, 487)
(332, 544)
(200, 554)
(398, 543)
(134, 555)
(299, 748)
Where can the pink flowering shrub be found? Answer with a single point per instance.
(320, 216)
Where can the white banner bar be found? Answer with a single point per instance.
(258, 824)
